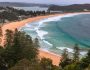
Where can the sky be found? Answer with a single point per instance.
(50, 1)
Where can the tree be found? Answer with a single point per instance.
(13, 50)
(25, 43)
(76, 53)
(18, 46)
(85, 61)
(88, 54)
(2, 62)
(25, 64)
(36, 43)
(65, 60)
(65, 54)
(88, 68)
(9, 38)
(46, 64)
(72, 67)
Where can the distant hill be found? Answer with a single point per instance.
(70, 8)
(17, 4)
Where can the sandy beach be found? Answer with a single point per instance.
(54, 57)
(13, 25)
(18, 24)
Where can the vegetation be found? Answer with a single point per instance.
(76, 53)
(20, 53)
(11, 14)
(18, 46)
(75, 63)
(71, 8)
(65, 61)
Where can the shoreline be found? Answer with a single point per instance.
(54, 57)
(18, 24)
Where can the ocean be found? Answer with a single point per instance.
(58, 33)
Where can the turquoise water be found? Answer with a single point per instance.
(58, 33)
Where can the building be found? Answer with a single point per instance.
(56, 11)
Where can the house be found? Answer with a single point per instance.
(56, 11)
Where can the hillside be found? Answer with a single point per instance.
(70, 8)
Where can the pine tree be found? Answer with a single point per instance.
(76, 53)
(36, 43)
(18, 46)
(46, 64)
(65, 60)
(73, 67)
(9, 38)
(85, 62)
(65, 54)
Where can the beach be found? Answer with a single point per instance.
(18, 24)
(13, 25)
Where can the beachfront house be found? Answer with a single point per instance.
(86, 10)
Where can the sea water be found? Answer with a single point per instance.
(58, 33)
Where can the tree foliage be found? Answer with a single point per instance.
(20, 53)
(76, 53)
(65, 61)
(18, 46)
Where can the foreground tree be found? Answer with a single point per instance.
(18, 46)
(88, 68)
(85, 62)
(76, 53)
(73, 66)
(65, 60)
(46, 64)
(9, 38)
(25, 64)
(3, 65)
(36, 43)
